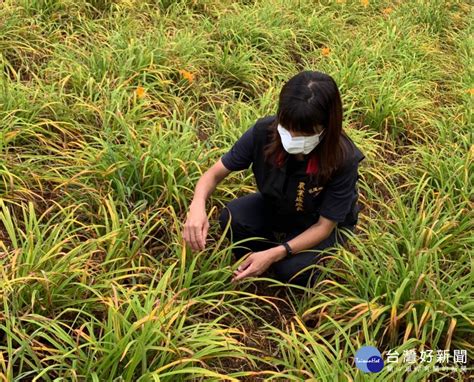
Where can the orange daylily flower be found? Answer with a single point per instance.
(387, 11)
(140, 91)
(365, 3)
(470, 91)
(325, 51)
(188, 75)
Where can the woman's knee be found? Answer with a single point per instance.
(224, 217)
(229, 216)
(246, 212)
(298, 269)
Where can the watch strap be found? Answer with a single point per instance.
(289, 251)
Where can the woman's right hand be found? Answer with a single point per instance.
(197, 224)
(196, 227)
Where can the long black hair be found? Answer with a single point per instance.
(309, 99)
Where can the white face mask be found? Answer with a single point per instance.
(298, 145)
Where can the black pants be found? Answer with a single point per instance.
(251, 217)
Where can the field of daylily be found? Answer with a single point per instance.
(111, 110)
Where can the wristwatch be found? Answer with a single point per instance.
(289, 251)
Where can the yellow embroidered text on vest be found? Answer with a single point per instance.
(299, 197)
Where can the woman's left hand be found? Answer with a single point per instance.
(256, 263)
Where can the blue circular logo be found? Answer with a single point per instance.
(368, 359)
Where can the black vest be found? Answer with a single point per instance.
(289, 193)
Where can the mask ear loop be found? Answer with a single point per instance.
(321, 134)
